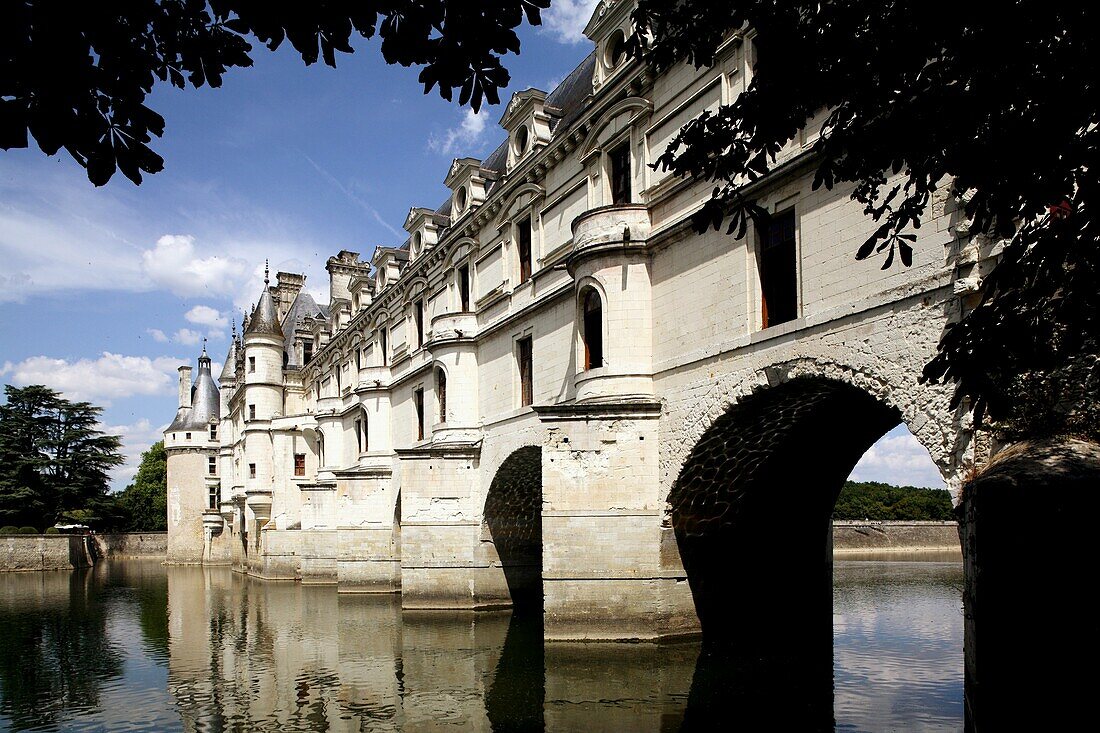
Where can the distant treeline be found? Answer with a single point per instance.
(872, 500)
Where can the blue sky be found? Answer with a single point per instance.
(104, 292)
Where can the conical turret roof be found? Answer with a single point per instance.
(229, 372)
(265, 318)
(205, 400)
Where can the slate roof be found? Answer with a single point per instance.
(205, 401)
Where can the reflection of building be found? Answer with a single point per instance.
(560, 302)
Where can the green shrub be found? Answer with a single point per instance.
(28, 530)
(9, 530)
(52, 530)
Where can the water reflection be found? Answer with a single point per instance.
(133, 645)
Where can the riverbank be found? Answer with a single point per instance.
(858, 538)
(851, 540)
(37, 552)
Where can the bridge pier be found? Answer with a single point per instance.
(603, 575)
(1031, 627)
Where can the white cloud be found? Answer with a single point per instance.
(110, 377)
(204, 315)
(136, 439)
(174, 265)
(898, 458)
(565, 20)
(158, 335)
(187, 337)
(464, 137)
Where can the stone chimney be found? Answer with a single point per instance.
(185, 386)
(287, 287)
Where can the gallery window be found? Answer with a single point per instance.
(524, 359)
(523, 247)
(418, 316)
(418, 403)
(464, 288)
(619, 173)
(776, 256)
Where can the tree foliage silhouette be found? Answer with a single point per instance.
(76, 75)
(53, 458)
(1001, 104)
(146, 499)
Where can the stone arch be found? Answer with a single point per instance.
(512, 521)
(750, 507)
(925, 409)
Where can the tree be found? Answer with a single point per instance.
(146, 499)
(999, 104)
(76, 75)
(53, 458)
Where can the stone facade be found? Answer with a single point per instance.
(560, 311)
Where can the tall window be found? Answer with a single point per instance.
(251, 364)
(526, 371)
(523, 243)
(299, 464)
(307, 351)
(251, 412)
(213, 431)
(619, 174)
(418, 316)
(320, 448)
(593, 329)
(464, 288)
(211, 466)
(418, 401)
(366, 432)
(214, 497)
(384, 344)
(778, 276)
(252, 470)
(441, 393)
(359, 436)
(358, 359)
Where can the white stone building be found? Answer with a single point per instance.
(555, 386)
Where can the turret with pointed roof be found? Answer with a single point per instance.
(265, 318)
(205, 405)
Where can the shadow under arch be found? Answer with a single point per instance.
(513, 517)
(752, 506)
(751, 510)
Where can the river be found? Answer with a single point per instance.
(134, 646)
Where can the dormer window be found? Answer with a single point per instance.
(417, 243)
(527, 121)
(615, 50)
(522, 139)
(461, 199)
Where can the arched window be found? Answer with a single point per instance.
(320, 448)
(441, 393)
(592, 331)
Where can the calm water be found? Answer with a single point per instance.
(135, 646)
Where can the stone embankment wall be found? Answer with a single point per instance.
(44, 552)
(132, 544)
(68, 551)
(853, 537)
